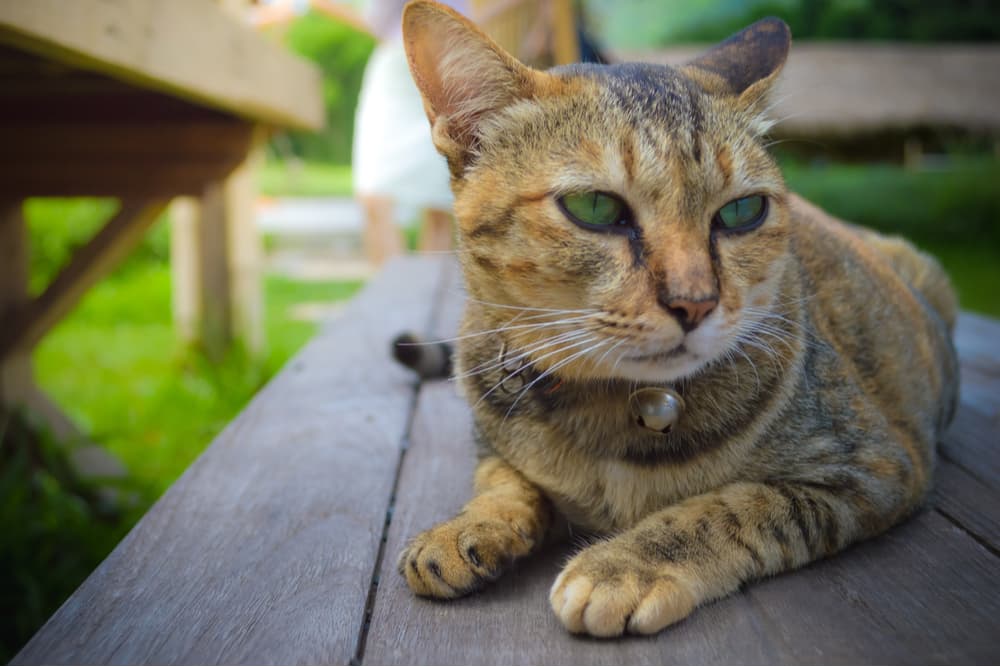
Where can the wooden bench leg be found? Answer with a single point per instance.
(215, 265)
(25, 320)
(15, 365)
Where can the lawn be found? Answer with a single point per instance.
(116, 368)
(305, 179)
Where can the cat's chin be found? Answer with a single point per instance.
(662, 368)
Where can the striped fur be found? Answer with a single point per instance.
(816, 388)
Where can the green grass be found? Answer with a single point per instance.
(116, 368)
(306, 179)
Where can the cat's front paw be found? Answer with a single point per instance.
(462, 555)
(605, 591)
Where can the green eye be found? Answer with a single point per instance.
(743, 213)
(594, 209)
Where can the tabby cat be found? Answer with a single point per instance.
(623, 232)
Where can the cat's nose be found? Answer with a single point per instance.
(690, 312)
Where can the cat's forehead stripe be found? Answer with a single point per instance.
(644, 90)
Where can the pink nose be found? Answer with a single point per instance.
(690, 313)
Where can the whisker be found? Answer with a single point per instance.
(516, 327)
(565, 348)
(552, 369)
(493, 364)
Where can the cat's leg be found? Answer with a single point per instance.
(657, 572)
(507, 519)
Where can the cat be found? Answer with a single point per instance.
(661, 343)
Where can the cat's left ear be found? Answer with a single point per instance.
(746, 65)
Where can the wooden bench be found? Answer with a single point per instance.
(278, 545)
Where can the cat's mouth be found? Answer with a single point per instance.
(665, 355)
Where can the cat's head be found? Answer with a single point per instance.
(635, 204)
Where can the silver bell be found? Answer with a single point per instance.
(656, 408)
(513, 380)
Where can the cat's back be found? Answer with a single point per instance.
(883, 305)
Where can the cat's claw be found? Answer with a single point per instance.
(604, 596)
(460, 556)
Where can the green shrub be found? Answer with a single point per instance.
(341, 53)
(658, 23)
(58, 226)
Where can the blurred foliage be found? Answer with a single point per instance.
(658, 23)
(956, 202)
(341, 53)
(55, 528)
(952, 211)
(58, 226)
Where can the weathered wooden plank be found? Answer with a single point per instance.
(976, 338)
(968, 502)
(263, 551)
(924, 592)
(95, 177)
(189, 49)
(190, 141)
(973, 442)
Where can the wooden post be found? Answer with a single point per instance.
(565, 46)
(244, 250)
(213, 269)
(17, 376)
(15, 365)
(185, 270)
(215, 263)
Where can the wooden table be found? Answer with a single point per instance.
(278, 544)
(142, 100)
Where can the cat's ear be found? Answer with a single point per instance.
(462, 74)
(746, 65)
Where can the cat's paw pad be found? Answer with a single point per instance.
(460, 556)
(604, 595)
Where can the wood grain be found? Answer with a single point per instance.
(192, 50)
(968, 503)
(263, 551)
(973, 440)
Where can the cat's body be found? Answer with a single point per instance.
(813, 359)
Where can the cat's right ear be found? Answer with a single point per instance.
(462, 74)
(745, 66)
